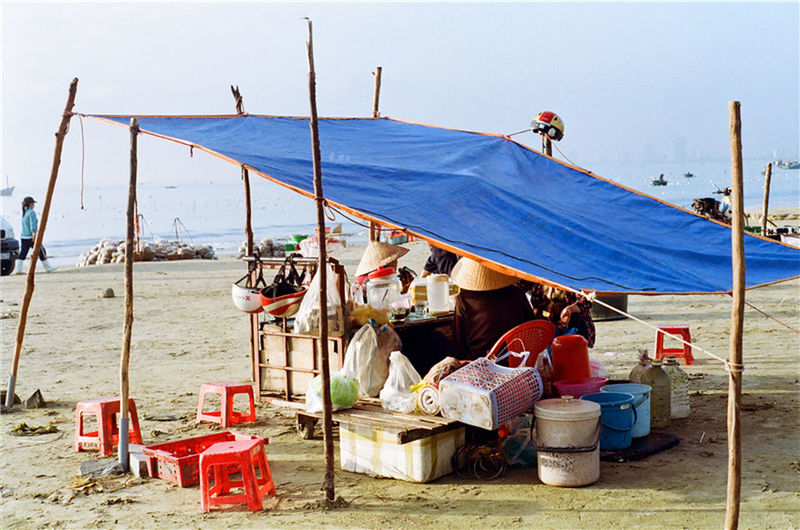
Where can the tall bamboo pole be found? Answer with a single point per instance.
(37, 244)
(737, 320)
(548, 145)
(248, 232)
(374, 228)
(767, 177)
(327, 421)
(126, 335)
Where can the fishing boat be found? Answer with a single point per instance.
(788, 164)
(688, 175)
(7, 190)
(660, 181)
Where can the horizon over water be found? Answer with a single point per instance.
(213, 211)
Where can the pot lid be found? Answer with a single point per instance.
(566, 408)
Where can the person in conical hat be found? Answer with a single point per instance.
(488, 304)
(379, 254)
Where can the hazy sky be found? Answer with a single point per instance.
(627, 78)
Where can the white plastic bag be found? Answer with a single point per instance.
(344, 392)
(307, 318)
(396, 393)
(367, 357)
(597, 369)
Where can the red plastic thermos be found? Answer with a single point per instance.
(570, 357)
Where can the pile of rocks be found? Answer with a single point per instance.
(111, 251)
(266, 248)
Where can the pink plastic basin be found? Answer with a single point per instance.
(580, 386)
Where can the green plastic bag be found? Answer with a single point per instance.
(344, 392)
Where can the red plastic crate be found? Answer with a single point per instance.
(179, 461)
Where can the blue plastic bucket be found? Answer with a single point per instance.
(641, 404)
(617, 416)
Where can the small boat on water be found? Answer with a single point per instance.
(660, 181)
(7, 190)
(688, 175)
(788, 164)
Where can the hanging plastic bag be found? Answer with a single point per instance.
(344, 392)
(307, 319)
(396, 393)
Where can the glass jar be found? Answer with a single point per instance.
(438, 293)
(383, 288)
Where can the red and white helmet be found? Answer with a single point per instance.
(247, 299)
(548, 123)
(283, 306)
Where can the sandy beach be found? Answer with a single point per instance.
(187, 332)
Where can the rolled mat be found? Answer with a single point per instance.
(428, 400)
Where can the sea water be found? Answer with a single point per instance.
(212, 211)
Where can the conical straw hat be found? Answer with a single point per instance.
(377, 255)
(472, 276)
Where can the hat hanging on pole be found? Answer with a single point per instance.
(549, 124)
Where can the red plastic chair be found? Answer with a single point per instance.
(534, 336)
(224, 459)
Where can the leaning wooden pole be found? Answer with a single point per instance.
(375, 228)
(767, 178)
(737, 321)
(248, 232)
(126, 335)
(327, 421)
(37, 244)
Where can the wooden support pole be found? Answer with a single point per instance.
(767, 177)
(375, 228)
(737, 321)
(376, 96)
(37, 244)
(547, 144)
(322, 270)
(248, 212)
(126, 335)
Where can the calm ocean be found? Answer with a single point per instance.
(213, 212)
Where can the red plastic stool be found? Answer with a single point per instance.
(683, 351)
(227, 416)
(225, 458)
(105, 409)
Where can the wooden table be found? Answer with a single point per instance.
(368, 412)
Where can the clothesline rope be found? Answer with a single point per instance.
(592, 297)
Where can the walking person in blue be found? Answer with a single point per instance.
(30, 224)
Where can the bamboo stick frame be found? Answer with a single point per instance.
(61, 133)
(737, 321)
(125, 357)
(375, 228)
(322, 270)
(767, 178)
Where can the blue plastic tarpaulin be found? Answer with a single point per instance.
(491, 198)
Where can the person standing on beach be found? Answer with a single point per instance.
(30, 224)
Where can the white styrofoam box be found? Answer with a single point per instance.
(369, 450)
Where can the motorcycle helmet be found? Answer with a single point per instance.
(548, 123)
(247, 299)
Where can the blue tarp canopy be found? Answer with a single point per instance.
(491, 198)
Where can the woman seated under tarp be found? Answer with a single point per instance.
(565, 309)
(488, 305)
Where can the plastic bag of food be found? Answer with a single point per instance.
(396, 393)
(307, 318)
(344, 392)
(362, 362)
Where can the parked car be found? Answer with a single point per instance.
(9, 247)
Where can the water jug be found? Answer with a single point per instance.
(679, 382)
(383, 288)
(655, 377)
(570, 357)
(638, 370)
(438, 294)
